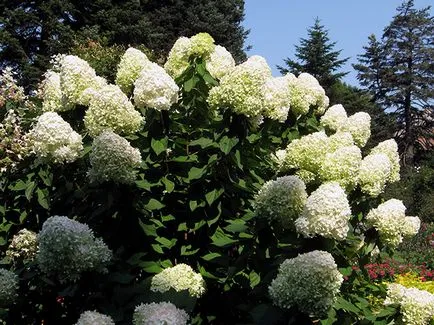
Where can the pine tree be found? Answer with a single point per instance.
(316, 55)
(401, 75)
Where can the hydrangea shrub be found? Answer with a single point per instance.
(200, 191)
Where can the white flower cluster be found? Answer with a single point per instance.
(281, 200)
(358, 125)
(307, 153)
(179, 277)
(155, 88)
(334, 117)
(220, 62)
(309, 281)
(416, 306)
(76, 75)
(132, 63)
(342, 166)
(94, 318)
(277, 98)
(200, 45)
(8, 287)
(306, 92)
(242, 88)
(390, 149)
(391, 223)
(51, 93)
(67, 248)
(53, 139)
(23, 247)
(14, 142)
(113, 159)
(326, 213)
(9, 90)
(158, 314)
(110, 109)
(374, 172)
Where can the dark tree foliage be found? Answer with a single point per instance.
(399, 72)
(32, 31)
(316, 55)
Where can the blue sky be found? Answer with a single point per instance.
(276, 26)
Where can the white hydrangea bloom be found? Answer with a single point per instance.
(8, 287)
(390, 149)
(67, 248)
(110, 109)
(155, 88)
(177, 60)
(113, 159)
(24, 246)
(158, 314)
(416, 306)
(305, 175)
(342, 166)
(374, 173)
(359, 125)
(306, 92)
(179, 277)
(200, 45)
(220, 62)
(326, 213)
(50, 93)
(307, 153)
(54, 140)
(334, 117)
(278, 158)
(389, 220)
(241, 89)
(310, 282)
(277, 98)
(94, 318)
(76, 75)
(339, 140)
(132, 63)
(281, 200)
(411, 226)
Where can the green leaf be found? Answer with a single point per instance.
(159, 145)
(154, 204)
(190, 84)
(236, 226)
(150, 267)
(210, 256)
(196, 173)
(43, 198)
(186, 250)
(254, 278)
(220, 239)
(213, 195)
(144, 184)
(238, 159)
(202, 142)
(19, 186)
(166, 242)
(193, 205)
(341, 303)
(170, 186)
(29, 190)
(226, 144)
(149, 230)
(157, 248)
